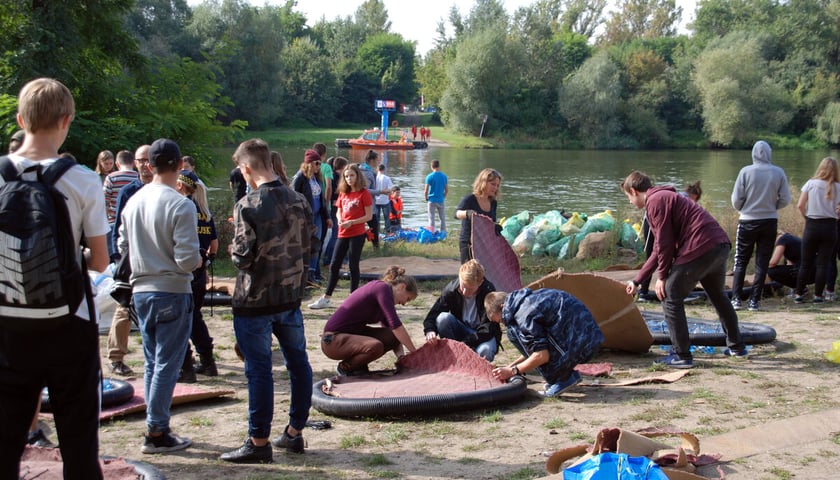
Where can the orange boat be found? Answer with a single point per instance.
(376, 138)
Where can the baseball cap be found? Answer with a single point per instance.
(164, 153)
(310, 156)
(188, 178)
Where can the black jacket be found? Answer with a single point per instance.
(452, 301)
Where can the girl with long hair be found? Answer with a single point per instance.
(354, 209)
(818, 204)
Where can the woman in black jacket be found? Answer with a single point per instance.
(307, 184)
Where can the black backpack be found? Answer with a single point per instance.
(41, 281)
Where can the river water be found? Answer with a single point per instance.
(572, 180)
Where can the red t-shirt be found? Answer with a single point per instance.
(351, 207)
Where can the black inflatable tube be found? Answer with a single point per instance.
(417, 405)
(711, 333)
(121, 393)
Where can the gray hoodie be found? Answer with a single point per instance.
(761, 189)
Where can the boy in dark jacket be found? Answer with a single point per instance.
(459, 313)
(271, 248)
(553, 331)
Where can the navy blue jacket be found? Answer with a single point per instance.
(553, 320)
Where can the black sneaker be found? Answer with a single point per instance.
(250, 453)
(121, 369)
(753, 306)
(292, 444)
(164, 443)
(38, 439)
(187, 376)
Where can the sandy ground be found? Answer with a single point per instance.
(783, 380)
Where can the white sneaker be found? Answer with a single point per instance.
(322, 302)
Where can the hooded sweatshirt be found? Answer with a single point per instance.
(682, 229)
(761, 189)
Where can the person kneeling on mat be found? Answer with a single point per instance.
(459, 313)
(349, 338)
(553, 331)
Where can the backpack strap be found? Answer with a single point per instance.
(56, 170)
(7, 169)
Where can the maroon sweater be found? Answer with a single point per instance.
(683, 231)
(369, 304)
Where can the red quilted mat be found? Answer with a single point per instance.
(447, 367)
(500, 262)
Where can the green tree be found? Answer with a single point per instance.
(740, 99)
(372, 17)
(583, 16)
(388, 62)
(159, 27)
(244, 43)
(591, 102)
(483, 79)
(642, 19)
(310, 86)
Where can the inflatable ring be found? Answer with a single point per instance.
(708, 332)
(395, 123)
(417, 405)
(121, 392)
(145, 471)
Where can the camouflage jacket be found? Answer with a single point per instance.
(272, 246)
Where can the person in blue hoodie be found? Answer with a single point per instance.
(553, 331)
(760, 191)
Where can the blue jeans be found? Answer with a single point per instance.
(384, 212)
(253, 334)
(450, 327)
(313, 262)
(333, 236)
(165, 324)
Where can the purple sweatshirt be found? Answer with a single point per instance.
(682, 229)
(372, 303)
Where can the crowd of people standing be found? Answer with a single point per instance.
(149, 208)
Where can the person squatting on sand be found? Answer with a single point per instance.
(689, 246)
(348, 336)
(553, 331)
(273, 242)
(459, 313)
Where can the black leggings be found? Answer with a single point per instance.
(354, 245)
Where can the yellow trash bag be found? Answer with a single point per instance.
(833, 355)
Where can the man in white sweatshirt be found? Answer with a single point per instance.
(158, 233)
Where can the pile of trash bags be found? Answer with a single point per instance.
(556, 234)
(422, 235)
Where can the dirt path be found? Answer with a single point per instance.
(720, 396)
